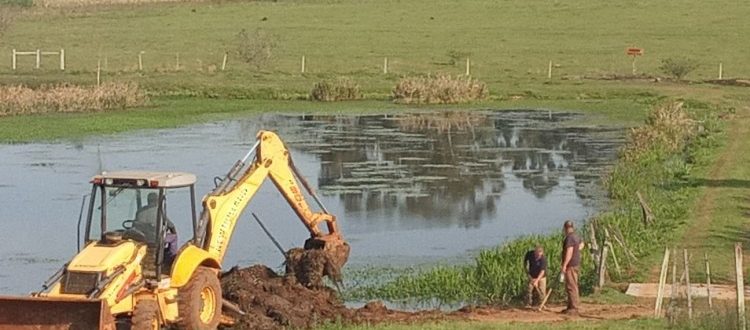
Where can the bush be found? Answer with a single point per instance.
(255, 48)
(667, 126)
(336, 90)
(15, 100)
(441, 89)
(678, 68)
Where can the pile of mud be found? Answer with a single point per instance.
(273, 301)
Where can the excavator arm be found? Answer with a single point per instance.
(224, 205)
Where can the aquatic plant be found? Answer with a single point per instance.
(440, 89)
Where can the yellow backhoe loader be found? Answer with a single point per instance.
(129, 273)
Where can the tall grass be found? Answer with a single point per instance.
(440, 89)
(655, 161)
(16, 100)
(340, 89)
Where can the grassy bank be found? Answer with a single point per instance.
(657, 162)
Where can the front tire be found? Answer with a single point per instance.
(200, 301)
(145, 315)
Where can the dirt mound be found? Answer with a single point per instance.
(272, 301)
(276, 302)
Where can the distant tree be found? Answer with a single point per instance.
(255, 48)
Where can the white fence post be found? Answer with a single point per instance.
(13, 60)
(740, 279)
(549, 70)
(62, 59)
(38, 58)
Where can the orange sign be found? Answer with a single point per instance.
(634, 51)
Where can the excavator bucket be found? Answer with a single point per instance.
(43, 313)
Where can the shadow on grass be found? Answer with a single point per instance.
(723, 183)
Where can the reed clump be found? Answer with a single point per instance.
(340, 89)
(440, 89)
(667, 126)
(20, 100)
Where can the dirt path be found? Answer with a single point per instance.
(587, 312)
(737, 131)
(719, 214)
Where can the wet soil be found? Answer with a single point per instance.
(273, 301)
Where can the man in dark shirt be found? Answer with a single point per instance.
(536, 269)
(571, 261)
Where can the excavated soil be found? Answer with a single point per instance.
(272, 301)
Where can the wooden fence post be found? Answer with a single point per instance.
(13, 60)
(708, 281)
(224, 62)
(740, 279)
(721, 71)
(303, 64)
(549, 70)
(38, 58)
(662, 282)
(62, 59)
(673, 297)
(468, 67)
(98, 72)
(603, 266)
(385, 65)
(687, 284)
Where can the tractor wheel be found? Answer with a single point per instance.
(200, 301)
(145, 315)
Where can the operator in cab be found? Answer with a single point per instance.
(145, 221)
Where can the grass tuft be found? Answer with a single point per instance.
(340, 89)
(21, 100)
(440, 89)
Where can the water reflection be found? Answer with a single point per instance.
(449, 168)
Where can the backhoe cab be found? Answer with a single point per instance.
(129, 270)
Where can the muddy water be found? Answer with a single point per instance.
(408, 189)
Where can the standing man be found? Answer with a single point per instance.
(571, 261)
(536, 269)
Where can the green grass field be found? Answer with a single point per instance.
(509, 43)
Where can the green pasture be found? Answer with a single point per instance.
(509, 44)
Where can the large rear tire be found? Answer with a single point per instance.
(200, 301)
(145, 315)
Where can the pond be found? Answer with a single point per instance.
(407, 189)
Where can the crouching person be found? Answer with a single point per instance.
(536, 269)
